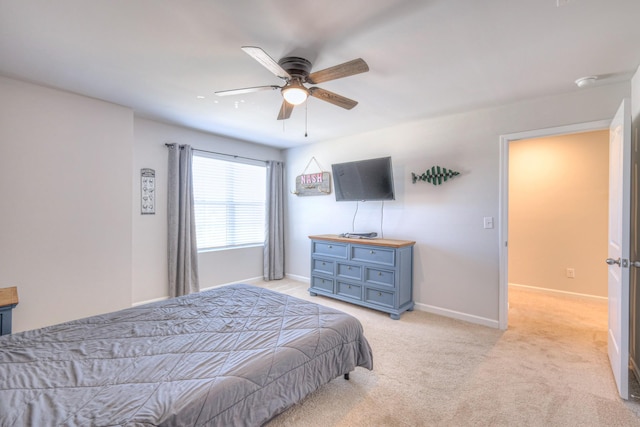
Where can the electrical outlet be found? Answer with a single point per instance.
(571, 273)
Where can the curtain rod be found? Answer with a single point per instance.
(221, 154)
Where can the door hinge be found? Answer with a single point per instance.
(624, 263)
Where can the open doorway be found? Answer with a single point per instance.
(558, 233)
(506, 142)
(558, 214)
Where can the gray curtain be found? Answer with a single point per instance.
(274, 229)
(183, 251)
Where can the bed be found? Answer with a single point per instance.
(230, 356)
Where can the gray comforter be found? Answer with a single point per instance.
(231, 356)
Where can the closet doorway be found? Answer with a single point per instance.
(548, 168)
(566, 275)
(558, 214)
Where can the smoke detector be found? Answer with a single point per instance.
(586, 81)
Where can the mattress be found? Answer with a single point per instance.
(235, 355)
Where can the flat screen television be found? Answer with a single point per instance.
(363, 180)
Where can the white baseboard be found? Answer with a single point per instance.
(558, 292)
(457, 315)
(135, 304)
(430, 309)
(418, 306)
(253, 279)
(248, 281)
(298, 278)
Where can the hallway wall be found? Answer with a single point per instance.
(558, 210)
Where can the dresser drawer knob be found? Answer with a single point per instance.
(349, 268)
(379, 294)
(349, 286)
(324, 263)
(379, 273)
(372, 252)
(330, 247)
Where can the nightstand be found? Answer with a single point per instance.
(8, 300)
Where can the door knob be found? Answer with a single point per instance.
(635, 264)
(612, 261)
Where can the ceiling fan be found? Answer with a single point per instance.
(296, 71)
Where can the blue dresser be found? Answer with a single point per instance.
(375, 273)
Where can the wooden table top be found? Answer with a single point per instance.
(391, 243)
(8, 296)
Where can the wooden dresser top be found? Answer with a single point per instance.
(8, 296)
(391, 243)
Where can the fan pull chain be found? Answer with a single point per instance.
(281, 112)
(306, 115)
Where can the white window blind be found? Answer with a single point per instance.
(229, 199)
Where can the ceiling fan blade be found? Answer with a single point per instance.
(266, 61)
(245, 90)
(333, 98)
(285, 110)
(347, 69)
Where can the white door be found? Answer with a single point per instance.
(618, 255)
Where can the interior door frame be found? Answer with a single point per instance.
(503, 218)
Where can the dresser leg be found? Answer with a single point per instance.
(395, 316)
(346, 376)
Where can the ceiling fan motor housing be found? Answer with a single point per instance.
(296, 67)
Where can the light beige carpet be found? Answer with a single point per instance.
(550, 368)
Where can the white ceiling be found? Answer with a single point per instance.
(426, 58)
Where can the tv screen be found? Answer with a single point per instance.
(363, 180)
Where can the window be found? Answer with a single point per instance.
(229, 199)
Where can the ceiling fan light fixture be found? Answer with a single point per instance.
(295, 94)
(296, 71)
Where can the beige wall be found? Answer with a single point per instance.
(558, 190)
(72, 238)
(65, 203)
(456, 260)
(72, 255)
(150, 281)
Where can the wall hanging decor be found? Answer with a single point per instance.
(436, 175)
(147, 191)
(313, 184)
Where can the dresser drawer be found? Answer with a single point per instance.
(349, 290)
(336, 250)
(373, 255)
(349, 271)
(380, 277)
(379, 297)
(322, 266)
(321, 283)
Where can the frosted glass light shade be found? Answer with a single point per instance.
(295, 95)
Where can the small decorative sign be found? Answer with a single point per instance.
(313, 184)
(436, 175)
(147, 191)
